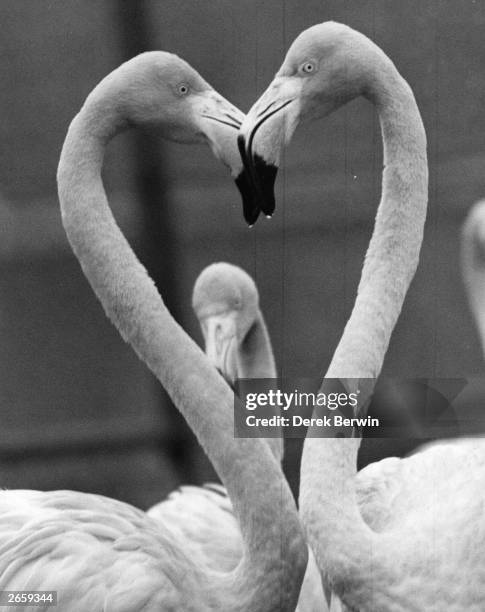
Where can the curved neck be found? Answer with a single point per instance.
(473, 265)
(346, 549)
(266, 577)
(256, 360)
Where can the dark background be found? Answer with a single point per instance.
(78, 410)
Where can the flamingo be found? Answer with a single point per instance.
(98, 553)
(226, 302)
(417, 542)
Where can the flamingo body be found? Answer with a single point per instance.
(204, 516)
(94, 551)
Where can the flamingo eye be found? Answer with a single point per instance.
(308, 67)
(183, 89)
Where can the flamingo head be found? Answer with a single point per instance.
(165, 94)
(326, 66)
(226, 302)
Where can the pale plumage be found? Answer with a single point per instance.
(403, 534)
(226, 302)
(101, 554)
(204, 515)
(440, 478)
(93, 551)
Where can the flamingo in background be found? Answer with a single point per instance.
(226, 302)
(470, 402)
(473, 264)
(100, 554)
(416, 542)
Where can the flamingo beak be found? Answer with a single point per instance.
(220, 124)
(220, 345)
(268, 127)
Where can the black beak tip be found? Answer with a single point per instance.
(256, 184)
(251, 207)
(241, 145)
(266, 174)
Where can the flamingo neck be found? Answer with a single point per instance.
(270, 573)
(256, 360)
(348, 553)
(473, 265)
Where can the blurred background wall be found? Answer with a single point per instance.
(77, 409)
